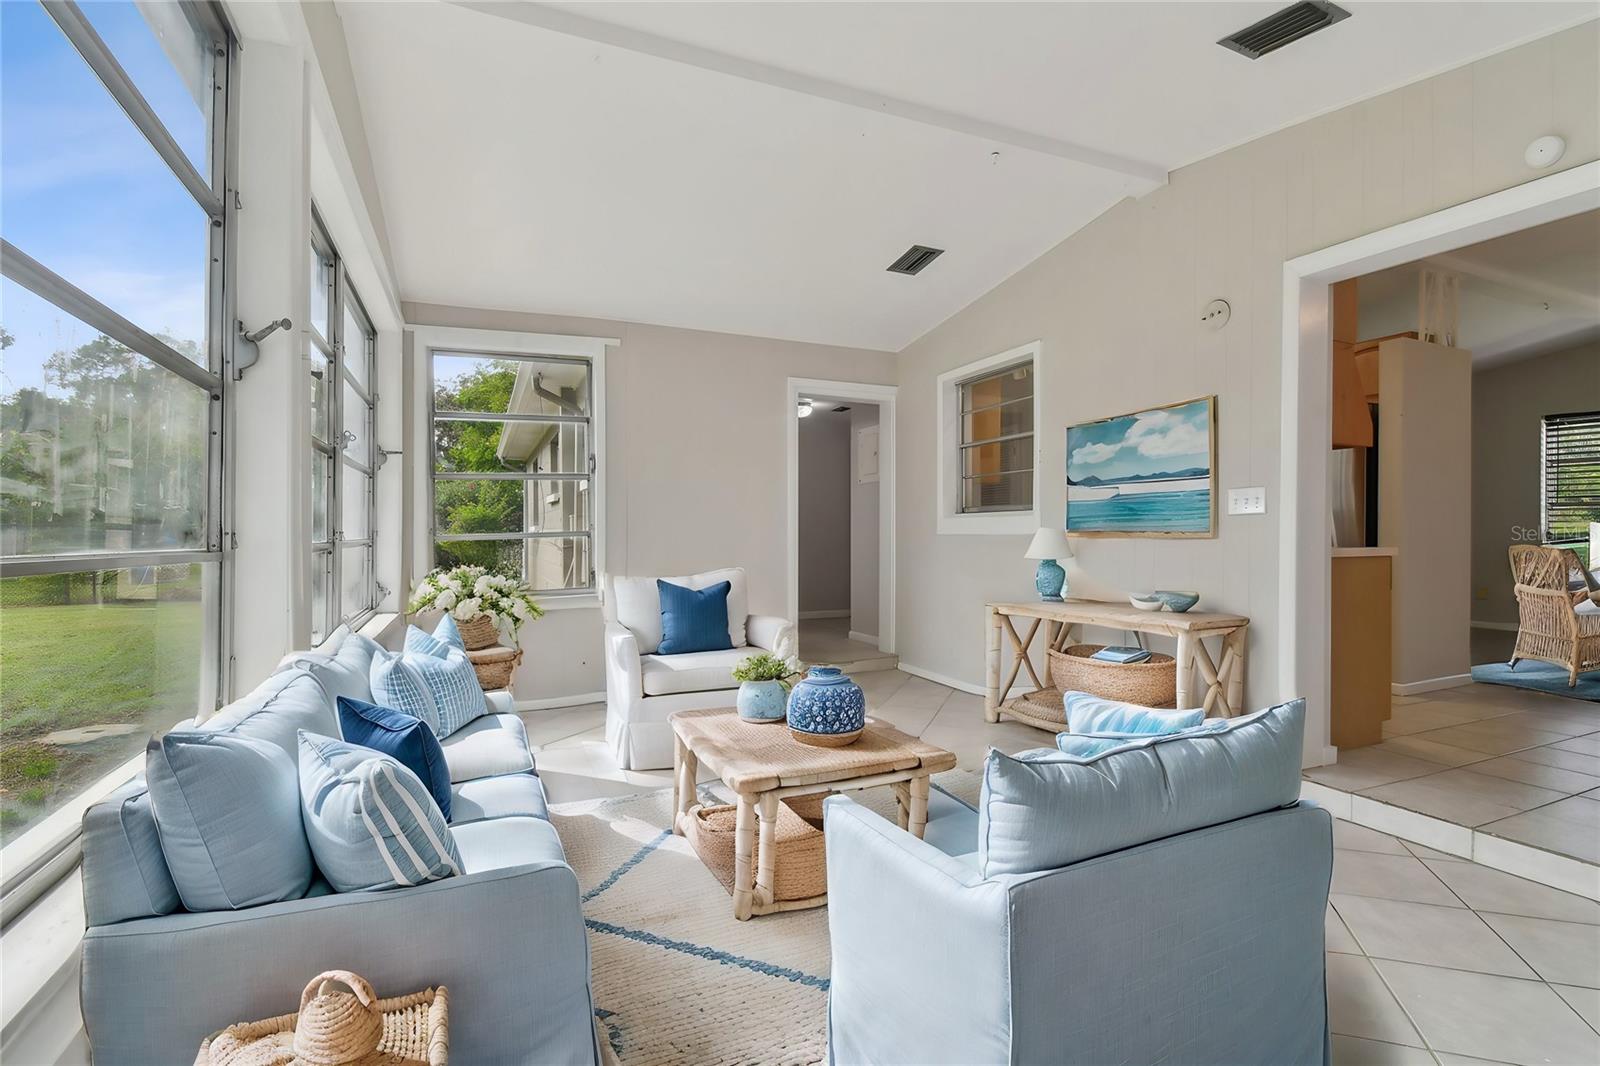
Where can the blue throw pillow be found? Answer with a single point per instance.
(445, 636)
(694, 619)
(1087, 713)
(403, 738)
(443, 691)
(371, 823)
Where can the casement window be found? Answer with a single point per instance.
(344, 452)
(988, 447)
(514, 441)
(113, 320)
(1569, 496)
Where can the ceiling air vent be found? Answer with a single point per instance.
(1286, 26)
(916, 257)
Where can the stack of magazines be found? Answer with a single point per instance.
(1121, 655)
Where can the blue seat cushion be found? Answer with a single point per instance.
(403, 738)
(499, 843)
(694, 619)
(509, 795)
(1088, 713)
(487, 747)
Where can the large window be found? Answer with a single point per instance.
(988, 450)
(1570, 480)
(344, 452)
(513, 442)
(112, 140)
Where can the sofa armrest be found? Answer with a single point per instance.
(509, 945)
(624, 682)
(500, 701)
(920, 948)
(771, 633)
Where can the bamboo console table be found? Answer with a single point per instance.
(1223, 681)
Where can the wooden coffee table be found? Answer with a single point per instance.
(763, 764)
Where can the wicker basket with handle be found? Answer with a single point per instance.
(339, 1028)
(495, 665)
(1152, 683)
(479, 631)
(799, 869)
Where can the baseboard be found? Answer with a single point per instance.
(1505, 627)
(1432, 684)
(959, 686)
(548, 702)
(804, 615)
(865, 638)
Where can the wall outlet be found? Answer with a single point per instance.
(1247, 501)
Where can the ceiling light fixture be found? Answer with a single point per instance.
(803, 410)
(1546, 151)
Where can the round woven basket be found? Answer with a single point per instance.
(1152, 683)
(479, 631)
(800, 869)
(495, 665)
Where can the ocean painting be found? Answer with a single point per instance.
(1147, 474)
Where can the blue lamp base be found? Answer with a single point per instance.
(1050, 580)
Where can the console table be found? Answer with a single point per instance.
(1223, 678)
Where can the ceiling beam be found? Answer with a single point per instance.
(1536, 289)
(1143, 175)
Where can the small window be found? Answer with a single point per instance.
(1570, 484)
(988, 444)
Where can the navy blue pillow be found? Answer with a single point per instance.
(694, 619)
(405, 739)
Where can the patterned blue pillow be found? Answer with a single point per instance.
(449, 633)
(1088, 713)
(444, 637)
(442, 691)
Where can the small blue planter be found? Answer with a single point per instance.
(826, 708)
(761, 701)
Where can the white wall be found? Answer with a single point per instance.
(825, 496)
(1507, 405)
(864, 511)
(1117, 307)
(695, 461)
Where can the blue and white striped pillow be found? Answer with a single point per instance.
(371, 822)
(441, 690)
(444, 637)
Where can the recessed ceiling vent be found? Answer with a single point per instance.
(916, 257)
(1284, 27)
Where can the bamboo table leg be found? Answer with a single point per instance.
(917, 818)
(767, 848)
(902, 796)
(1185, 667)
(991, 690)
(1234, 644)
(685, 769)
(744, 832)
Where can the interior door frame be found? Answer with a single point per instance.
(885, 397)
(1304, 563)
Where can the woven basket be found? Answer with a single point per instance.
(799, 870)
(479, 631)
(353, 1028)
(1152, 683)
(494, 666)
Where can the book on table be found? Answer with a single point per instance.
(1121, 655)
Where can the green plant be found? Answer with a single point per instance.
(467, 591)
(766, 667)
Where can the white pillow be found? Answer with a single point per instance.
(635, 602)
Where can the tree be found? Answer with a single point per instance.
(475, 506)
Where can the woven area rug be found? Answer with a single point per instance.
(676, 978)
(1540, 677)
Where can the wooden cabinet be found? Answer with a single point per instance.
(1362, 644)
(1352, 419)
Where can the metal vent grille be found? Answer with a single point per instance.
(1284, 27)
(916, 257)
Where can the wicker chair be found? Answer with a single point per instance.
(1550, 627)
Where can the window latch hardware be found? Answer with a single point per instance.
(246, 351)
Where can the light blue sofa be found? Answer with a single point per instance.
(1203, 945)
(507, 938)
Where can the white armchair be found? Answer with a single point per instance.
(643, 687)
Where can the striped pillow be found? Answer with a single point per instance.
(444, 637)
(372, 824)
(441, 690)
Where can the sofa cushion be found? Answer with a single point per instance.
(342, 664)
(124, 873)
(499, 843)
(371, 822)
(1088, 713)
(403, 738)
(277, 709)
(635, 602)
(693, 619)
(701, 671)
(228, 813)
(1047, 809)
(505, 796)
(491, 745)
(441, 690)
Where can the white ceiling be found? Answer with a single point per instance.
(1522, 295)
(753, 168)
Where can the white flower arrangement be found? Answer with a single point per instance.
(468, 591)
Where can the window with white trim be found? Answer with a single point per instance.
(988, 444)
(1569, 485)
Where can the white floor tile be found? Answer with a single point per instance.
(1424, 933)
(1335, 936)
(1586, 1001)
(1486, 889)
(1354, 1051)
(1362, 873)
(1560, 952)
(1359, 1004)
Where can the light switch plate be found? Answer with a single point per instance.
(1247, 501)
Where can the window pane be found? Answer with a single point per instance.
(90, 665)
(321, 292)
(502, 556)
(1000, 492)
(355, 594)
(321, 562)
(355, 494)
(83, 192)
(321, 492)
(1013, 416)
(1012, 383)
(546, 563)
(169, 60)
(100, 449)
(518, 386)
(357, 427)
(525, 447)
(1000, 458)
(357, 347)
(511, 506)
(321, 374)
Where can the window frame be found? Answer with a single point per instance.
(950, 518)
(1584, 420)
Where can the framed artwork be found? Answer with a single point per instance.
(1151, 473)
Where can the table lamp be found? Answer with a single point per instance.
(1047, 546)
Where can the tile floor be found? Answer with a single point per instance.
(1431, 958)
(827, 640)
(1520, 765)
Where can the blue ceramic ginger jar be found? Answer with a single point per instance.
(826, 708)
(760, 701)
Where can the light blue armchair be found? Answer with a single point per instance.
(1203, 946)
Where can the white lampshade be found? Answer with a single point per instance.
(1049, 544)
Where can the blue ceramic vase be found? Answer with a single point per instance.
(760, 701)
(826, 708)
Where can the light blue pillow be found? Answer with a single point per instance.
(694, 619)
(444, 637)
(441, 690)
(277, 709)
(227, 810)
(342, 665)
(371, 822)
(1089, 745)
(1087, 713)
(449, 633)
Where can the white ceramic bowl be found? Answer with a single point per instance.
(1146, 603)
